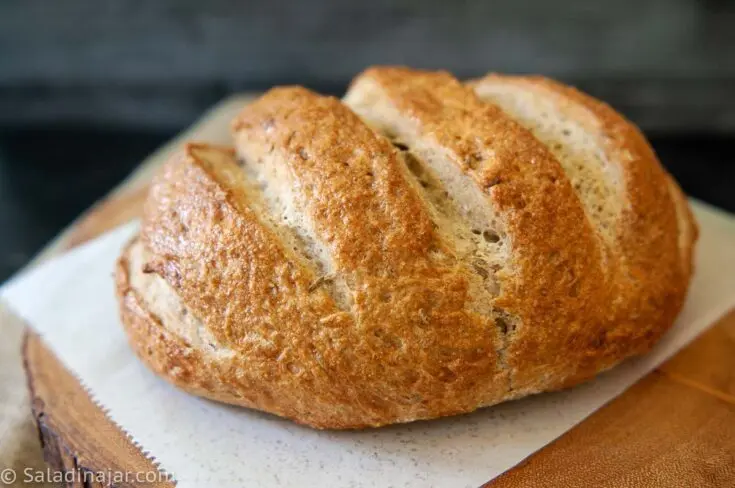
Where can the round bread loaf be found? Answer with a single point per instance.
(422, 248)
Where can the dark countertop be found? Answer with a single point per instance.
(49, 175)
(667, 65)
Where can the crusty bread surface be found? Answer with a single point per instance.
(421, 248)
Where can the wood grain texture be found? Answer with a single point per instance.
(75, 433)
(675, 427)
(666, 430)
(709, 363)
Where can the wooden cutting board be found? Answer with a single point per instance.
(675, 427)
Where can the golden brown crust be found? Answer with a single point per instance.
(655, 233)
(162, 351)
(549, 282)
(407, 292)
(234, 275)
(408, 342)
(231, 380)
(299, 347)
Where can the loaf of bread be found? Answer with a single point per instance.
(421, 248)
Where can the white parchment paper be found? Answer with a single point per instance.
(70, 301)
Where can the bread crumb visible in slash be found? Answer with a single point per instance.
(320, 281)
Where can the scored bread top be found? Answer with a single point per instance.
(634, 204)
(423, 248)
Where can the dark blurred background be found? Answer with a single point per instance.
(89, 87)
